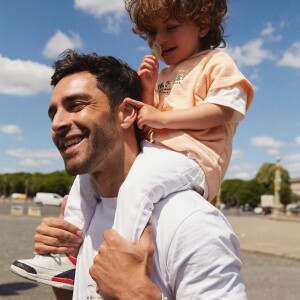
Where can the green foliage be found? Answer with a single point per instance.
(57, 182)
(239, 192)
(266, 176)
(295, 198)
(285, 193)
(250, 192)
(230, 191)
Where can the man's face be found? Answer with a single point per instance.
(83, 127)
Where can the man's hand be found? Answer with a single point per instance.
(121, 269)
(57, 236)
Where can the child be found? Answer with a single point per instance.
(190, 113)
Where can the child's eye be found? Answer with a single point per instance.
(151, 33)
(173, 27)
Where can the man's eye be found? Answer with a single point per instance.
(76, 106)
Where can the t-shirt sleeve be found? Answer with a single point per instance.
(232, 97)
(203, 259)
(221, 73)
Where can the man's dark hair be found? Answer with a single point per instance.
(114, 77)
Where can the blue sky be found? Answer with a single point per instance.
(263, 38)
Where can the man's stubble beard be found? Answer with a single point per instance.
(103, 141)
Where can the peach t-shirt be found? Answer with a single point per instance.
(204, 77)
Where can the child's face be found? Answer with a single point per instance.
(178, 40)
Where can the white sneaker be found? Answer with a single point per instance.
(57, 270)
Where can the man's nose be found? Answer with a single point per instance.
(61, 121)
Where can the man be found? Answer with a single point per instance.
(188, 252)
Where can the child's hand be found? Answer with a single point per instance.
(147, 114)
(148, 73)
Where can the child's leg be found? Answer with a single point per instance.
(156, 173)
(58, 270)
(81, 202)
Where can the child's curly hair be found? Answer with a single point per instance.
(202, 12)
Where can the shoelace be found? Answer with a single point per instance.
(42, 256)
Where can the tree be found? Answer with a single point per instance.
(230, 191)
(239, 192)
(57, 182)
(266, 176)
(250, 192)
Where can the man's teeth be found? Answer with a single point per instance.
(72, 142)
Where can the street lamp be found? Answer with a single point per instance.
(277, 185)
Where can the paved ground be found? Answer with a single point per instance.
(270, 256)
(271, 276)
(264, 234)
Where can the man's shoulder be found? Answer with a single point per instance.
(187, 210)
(184, 203)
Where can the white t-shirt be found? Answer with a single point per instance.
(196, 251)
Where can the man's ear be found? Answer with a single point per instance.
(127, 114)
(203, 32)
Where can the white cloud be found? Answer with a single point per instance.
(291, 57)
(243, 167)
(254, 75)
(269, 33)
(7, 170)
(113, 25)
(266, 141)
(268, 30)
(23, 78)
(60, 42)
(293, 157)
(99, 8)
(13, 130)
(283, 24)
(243, 171)
(250, 54)
(142, 49)
(10, 129)
(112, 10)
(295, 167)
(29, 162)
(237, 154)
(297, 139)
(274, 152)
(242, 175)
(24, 153)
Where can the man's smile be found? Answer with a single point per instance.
(69, 145)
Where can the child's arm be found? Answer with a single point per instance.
(148, 73)
(206, 115)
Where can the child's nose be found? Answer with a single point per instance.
(161, 37)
